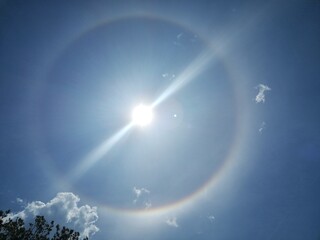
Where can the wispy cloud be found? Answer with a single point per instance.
(168, 76)
(260, 96)
(184, 37)
(211, 218)
(172, 222)
(262, 127)
(165, 75)
(139, 191)
(147, 205)
(142, 196)
(63, 209)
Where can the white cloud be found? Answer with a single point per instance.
(138, 192)
(260, 96)
(211, 218)
(142, 199)
(262, 127)
(194, 38)
(172, 222)
(179, 35)
(63, 209)
(20, 202)
(182, 35)
(148, 205)
(168, 76)
(164, 75)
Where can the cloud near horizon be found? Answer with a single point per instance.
(63, 209)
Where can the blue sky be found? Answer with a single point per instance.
(233, 151)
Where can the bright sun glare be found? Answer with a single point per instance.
(142, 115)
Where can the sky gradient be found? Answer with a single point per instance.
(232, 152)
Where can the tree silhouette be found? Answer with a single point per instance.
(40, 229)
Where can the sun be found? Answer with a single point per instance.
(142, 115)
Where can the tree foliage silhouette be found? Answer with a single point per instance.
(40, 229)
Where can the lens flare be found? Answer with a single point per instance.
(98, 153)
(142, 115)
(190, 73)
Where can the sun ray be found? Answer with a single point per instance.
(97, 154)
(190, 73)
(142, 115)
